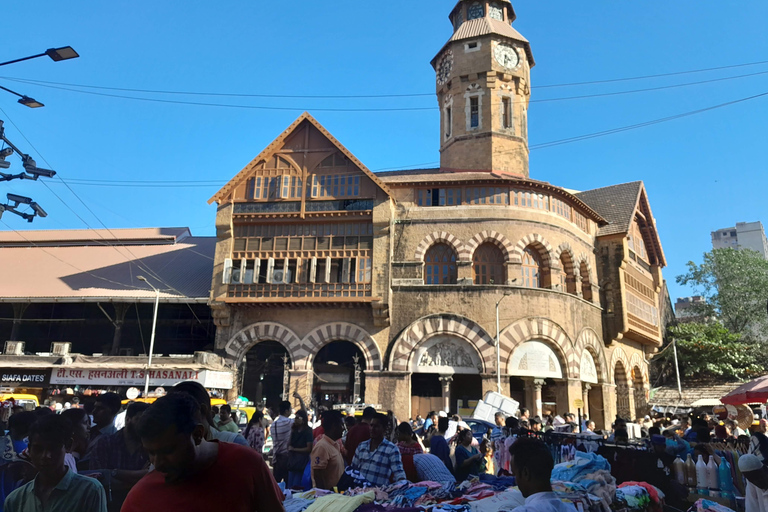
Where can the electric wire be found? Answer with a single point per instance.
(373, 96)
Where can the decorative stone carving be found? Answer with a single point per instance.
(448, 353)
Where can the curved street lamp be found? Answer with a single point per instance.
(56, 54)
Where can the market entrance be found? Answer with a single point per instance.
(334, 381)
(446, 376)
(263, 369)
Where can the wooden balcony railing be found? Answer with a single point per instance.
(320, 292)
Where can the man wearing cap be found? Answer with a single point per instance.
(757, 483)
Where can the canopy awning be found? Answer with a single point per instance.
(754, 392)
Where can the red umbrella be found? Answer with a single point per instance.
(753, 392)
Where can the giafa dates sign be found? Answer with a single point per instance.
(21, 377)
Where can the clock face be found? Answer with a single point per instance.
(495, 12)
(475, 11)
(444, 68)
(506, 55)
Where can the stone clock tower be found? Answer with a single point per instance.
(483, 88)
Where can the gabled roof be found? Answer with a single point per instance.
(275, 146)
(619, 204)
(616, 204)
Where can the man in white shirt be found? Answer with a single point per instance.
(531, 464)
(281, 438)
(757, 483)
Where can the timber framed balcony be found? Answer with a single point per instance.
(298, 293)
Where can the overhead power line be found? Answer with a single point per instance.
(365, 96)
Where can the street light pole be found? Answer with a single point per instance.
(498, 344)
(152, 338)
(56, 54)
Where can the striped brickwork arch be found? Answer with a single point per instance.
(541, 245)
(341, 331)
(590, 340)
(247, 338)
(438, 237)
(442, 324)
(584, 260)
(619, 356)
(501, 241)
(540, 329)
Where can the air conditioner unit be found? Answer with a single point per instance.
(281, 276)
(14, 348)
(61, 348)
(126, 352)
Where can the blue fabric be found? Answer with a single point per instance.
(438, 447)
(379, 465)
(306, 481)
(499, 483)
(584, 464)
(430, 468)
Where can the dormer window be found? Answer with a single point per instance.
(475, 11)
(495, 11)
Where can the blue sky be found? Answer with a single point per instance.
(702, 172)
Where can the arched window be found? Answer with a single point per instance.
(476, 10)
(532, 265)
(567, 279)
(488, 265)
(440, 265)
(586, 286)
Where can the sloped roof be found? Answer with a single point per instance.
(94, 236)
(104, 268)
(274, 147)
(484, 26)
(617, 204)
(693, 393)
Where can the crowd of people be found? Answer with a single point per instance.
(181, 453)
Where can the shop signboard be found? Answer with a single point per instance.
(123, 377)
(24, 377)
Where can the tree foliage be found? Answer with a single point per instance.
(734, 284)
(709, 351)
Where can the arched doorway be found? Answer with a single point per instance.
(445, 376)
(622, 391)
(539, 366)
(591, 391)
(262, 373)
(334, 372)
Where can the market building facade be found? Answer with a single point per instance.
(324, 269)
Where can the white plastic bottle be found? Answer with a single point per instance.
(702, 481)
(713, 477)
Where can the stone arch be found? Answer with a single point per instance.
(446, 324)
(584, 260)
(539, 243)
(564, 247)
(437, 237)
(245, 339)
(569, 271)
(589, 340)
(341, 331)
(619, 356)
(637, 362)
(540, 329)
(501, 241)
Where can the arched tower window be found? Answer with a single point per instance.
(495, 11)
(440, 265)
(532, 268)
(586, 286)
(476, 10)
(488, 265)
(567, 278)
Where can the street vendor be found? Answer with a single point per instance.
(531, 463)
(756, 475)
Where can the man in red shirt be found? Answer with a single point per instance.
(359, 433)
(192, 474)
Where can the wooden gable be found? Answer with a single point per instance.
(299, 150)
(647, 223)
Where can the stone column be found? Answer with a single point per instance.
(537, 385)
(446, 380)
(464, 272)
(609, 405)
(585, 399)
(514, 274)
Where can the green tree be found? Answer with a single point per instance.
(708, 351)
(734, 284)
